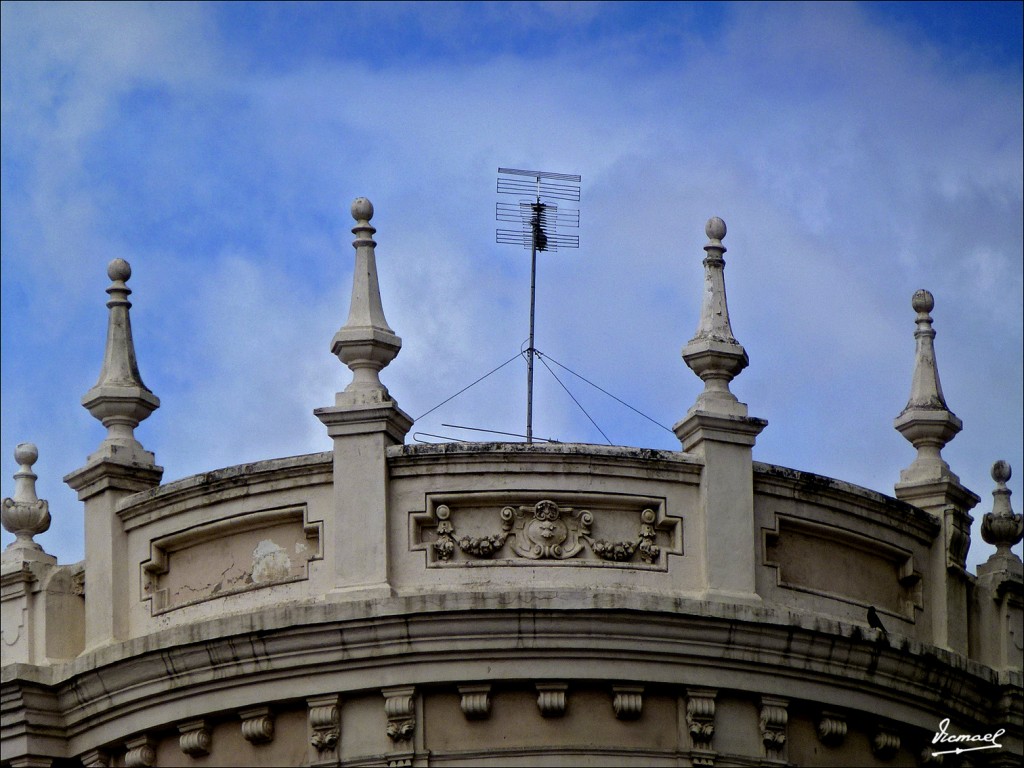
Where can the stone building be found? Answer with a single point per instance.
(513, 604)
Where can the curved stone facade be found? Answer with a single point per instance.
(465, 604)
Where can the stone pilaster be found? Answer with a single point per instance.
(364, 421)
(118, 468)
(718, 430)
(928, 483)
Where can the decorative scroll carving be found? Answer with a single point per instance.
(141, 752)
(403, 761)
(399, 706)
(551, 699)
(774, 717)
(257, 725)
(700, 720)
(324, 725)
(444, 547)
(831, 728)
(885, 744)
(476, 701)
(545, 531)
(628, 701)
(195, 739)
(548, 535)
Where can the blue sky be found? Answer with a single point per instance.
(857, 152)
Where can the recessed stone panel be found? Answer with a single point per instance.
(228, 556)
(840, 564)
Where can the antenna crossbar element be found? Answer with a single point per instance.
(541, 174)
(540, 188)
(525, 239)
(523, 213)
(538, 221)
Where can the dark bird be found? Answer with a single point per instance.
(873, 621)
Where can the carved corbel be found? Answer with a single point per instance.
(324, 725)
(95, 758)
(476, 701)
(551, 699)
(628, 701)
(831, 728)
(700, 722)
(141, 752)
(400, 708)
(257, 725)
(885, 744)
(773, 720)
(195, 739)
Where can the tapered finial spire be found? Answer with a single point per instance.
(1001, 527)
(119, 399)
(25, 515)
(366, 344)
(926, 421)
(713, 353)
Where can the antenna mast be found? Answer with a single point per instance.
(538, 223)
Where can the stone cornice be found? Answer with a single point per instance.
(435, 639)
(539, 457)
(850, 499)
(106, 474)
(227, 483)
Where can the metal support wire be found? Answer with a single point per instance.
(494, 370)
(605, 391)
(578, 404)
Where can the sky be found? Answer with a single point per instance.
(857, 152)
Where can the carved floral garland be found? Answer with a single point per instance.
(553, 533)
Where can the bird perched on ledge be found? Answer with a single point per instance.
(873, 621)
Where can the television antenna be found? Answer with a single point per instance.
(538, 222)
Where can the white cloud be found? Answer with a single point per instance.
(851, 169)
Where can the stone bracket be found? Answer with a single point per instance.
(257, 724)
(476, 701)
(551, 699)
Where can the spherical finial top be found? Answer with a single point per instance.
(26, 453)
(715, 228)
(119, 269)
(1001, 471)
(362, 209)
(922, 301)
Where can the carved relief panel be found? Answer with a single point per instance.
(532, 529)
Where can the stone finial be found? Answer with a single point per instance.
(926, 421)
(26, 514)
(713, 353)
(119, 399)
(1001, 527)
(366, 343)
